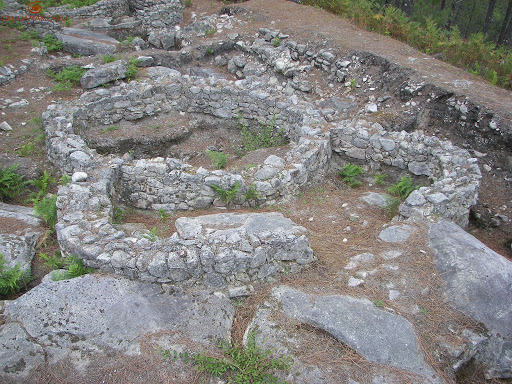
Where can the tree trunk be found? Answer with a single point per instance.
(397, 4)
(407, 6)
(488, 17)
(466, 34)
(453, 13)
(506, 20)
(443, 4)
(508, 34)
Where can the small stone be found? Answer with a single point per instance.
(396, 233)
(371, 108)
(487, 168)
(78, 177)
(5, 126)
(353, 282)
(393, 294)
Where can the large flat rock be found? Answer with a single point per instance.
(104, 74)
(379, 336)
(478, 283)
(94, 314)
(86, 42)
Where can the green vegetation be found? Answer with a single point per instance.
(226, 195)
(434, 31)
(210, 31)
(188, 3)
(128, 41)
(109, 59)
(252, 193)
(11, 183)
(52, 43)
(378, 303)
(151, 235)
(265, 136)
(162, 215)
(67, 78)
(111, 128)
(56, 3)
(349, 173)
(74, 268)
(43, 184)
(29, 35)
(64, 180)
(380, 178)
(132, 70)
(391, 208)
(250, 365)
(218, 159)
(403, 188)
(54, 261)
(209, 51)
(46, 209)
(12, 280)
(118, 215)
(276, 41)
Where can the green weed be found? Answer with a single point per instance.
(252, 193)
(226, 195)
(349, 173)
(188, 3)
(54, 261)
(391, 208)
(11, 183)
(380, 178)
(265, 136)
(43, 184)
(118, 215)
(46, 209)
(151, 235)
(109, 59)
(403, 188)
(218, 159)
(132, 70)
(238, 365)
(52, 43)
(276, 41)
(64, 180)
(12, 280)
(162, 215)
(74, 268)
(378, 303)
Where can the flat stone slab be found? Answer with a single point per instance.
(396, 233)
(86, 42)
(479, 284)
(104, 74)
(94, 314)
(379, 336)
(375, 199)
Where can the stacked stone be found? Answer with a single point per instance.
(455, 174)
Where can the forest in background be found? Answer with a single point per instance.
(475, 35)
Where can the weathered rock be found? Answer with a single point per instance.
(396, 233)
(156, 72)
(478, 283)
(104, 74)
(85, 42)
(377, 335)
(94, 314)
(78, 177)
(4, 126)
(375, 199)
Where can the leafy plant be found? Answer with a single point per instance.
(118, 215)
(265, 136)
(12, 280)
(43, 184)
(209, 51)
(210, 31)
(54, 261)
(132, 70)
(252, 193)
(111, 128)
(276, 41)
(108, 59)
(74, 268)
(249, 365)
(188, 3)
(350, 172)
(218, 159)
(403, 188)
(162, 215)
(226, 195)
(46, 209)
(380, 178)
(392, 204)
(67, 78)
(11, 183)
(29, 35)
(378, 303)
(151, 235)
(52, 43)
(64, 179)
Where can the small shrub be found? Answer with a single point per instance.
(74, 268)
(403, 188)
(12, 280)
(118, 216)
(132, 70)
(43, 184)
(46, 209)
(188, 3)
(252, 193)
(52, 43)
(64, 180)
(350, 172)
(54, 261)
(391, 208)
(209, 51)
(265, 136)
(226, 195)
(151, 235)
(380, 178)
(11, 183)
(276, 41)
(210, 31)
(67, 23)
(108, 59)
(239, 365)
(218, 159)
(111, 128)
(67, 78)
(162, 215)
(29, 35)
(378, 303)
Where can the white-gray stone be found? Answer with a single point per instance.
(396, 233)
(4, 126)
(78, 177)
